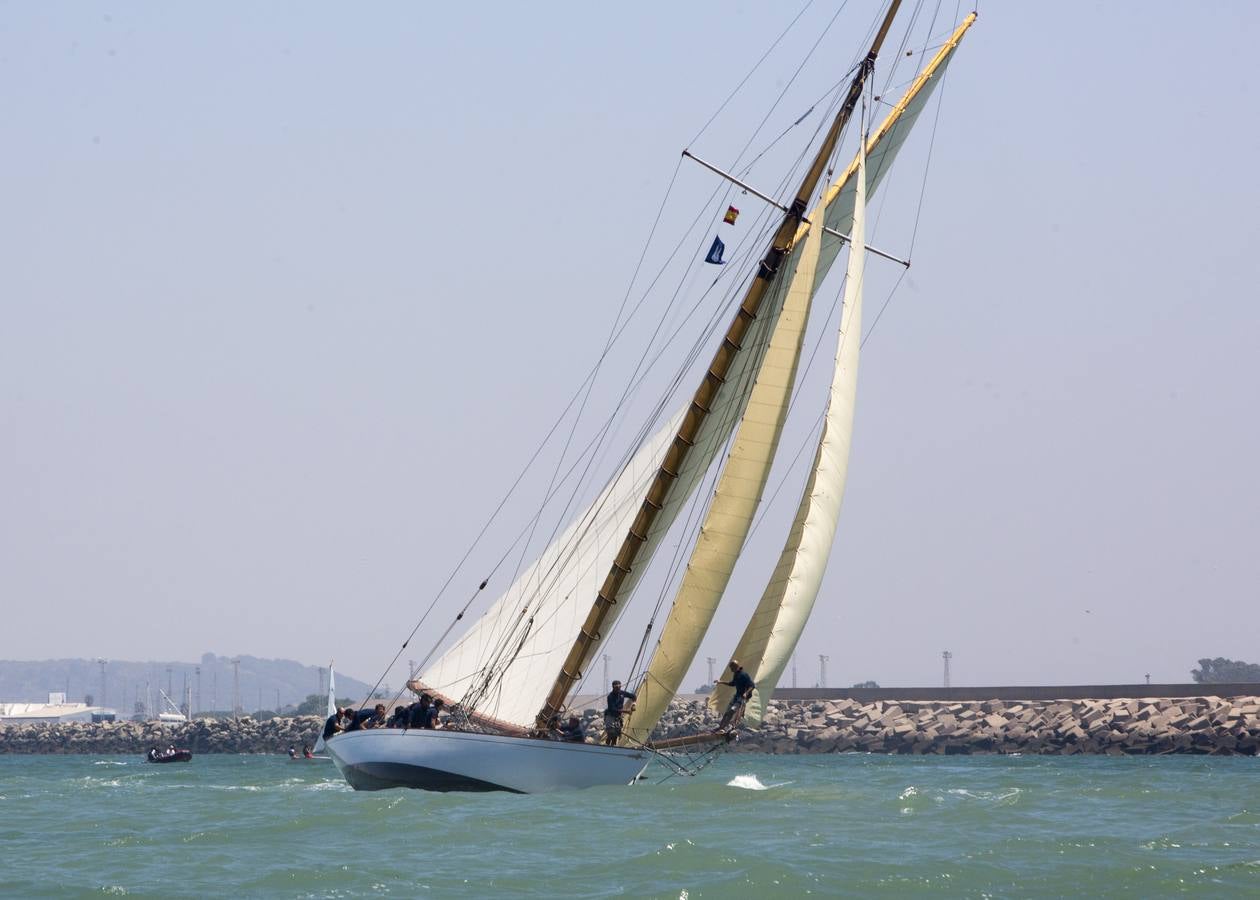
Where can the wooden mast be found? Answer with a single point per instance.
(589, 635)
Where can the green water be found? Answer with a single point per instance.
(748, 826)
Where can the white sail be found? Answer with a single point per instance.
(331, 708)
(780, 617)
(555, 591)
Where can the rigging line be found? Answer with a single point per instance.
(546, 439)
(940, 101)
(751, 72)
(589, 385)
(901, 48)
(756, 131)
(844, 80)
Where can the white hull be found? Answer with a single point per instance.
(464, 761)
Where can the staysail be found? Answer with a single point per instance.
(742, 482)
(788, 599)
(331, 709)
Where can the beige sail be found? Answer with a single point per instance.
(735, 500)
(742, 482)
(780, 617)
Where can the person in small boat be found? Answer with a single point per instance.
(306, 752)
(292, 752)
(614, 712)
(573, 731)
(743, 684)
(153, 754)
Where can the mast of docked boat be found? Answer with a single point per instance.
(589, 636)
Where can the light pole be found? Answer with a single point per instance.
(236, 687)
(102, 662)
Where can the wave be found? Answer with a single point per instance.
(753, 783)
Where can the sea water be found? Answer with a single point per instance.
(747, 826)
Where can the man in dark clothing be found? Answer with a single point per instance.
(332, 724)
(573, 731)
(364, 718)
(614, 711)
(399, 717)
(743, 684)
(434, 719)
(419, 711)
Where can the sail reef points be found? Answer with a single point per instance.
(1115, 727)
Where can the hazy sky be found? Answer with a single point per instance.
(290, 291)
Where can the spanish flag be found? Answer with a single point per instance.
(731, 215)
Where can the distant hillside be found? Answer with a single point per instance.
(262, 682)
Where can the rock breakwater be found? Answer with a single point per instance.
(200, 736)
(1205, 725)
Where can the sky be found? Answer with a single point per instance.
(291, 292)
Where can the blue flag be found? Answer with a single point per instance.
(715, 252)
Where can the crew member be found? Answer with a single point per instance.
(614, 711)
(743, 684)
(332, 724)
(573, 731)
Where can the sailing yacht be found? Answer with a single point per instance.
(513, 672)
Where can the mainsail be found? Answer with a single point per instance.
(788, 599)
(743, 478)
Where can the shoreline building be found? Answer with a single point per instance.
(55, 710)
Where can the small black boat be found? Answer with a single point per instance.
(169, 755)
